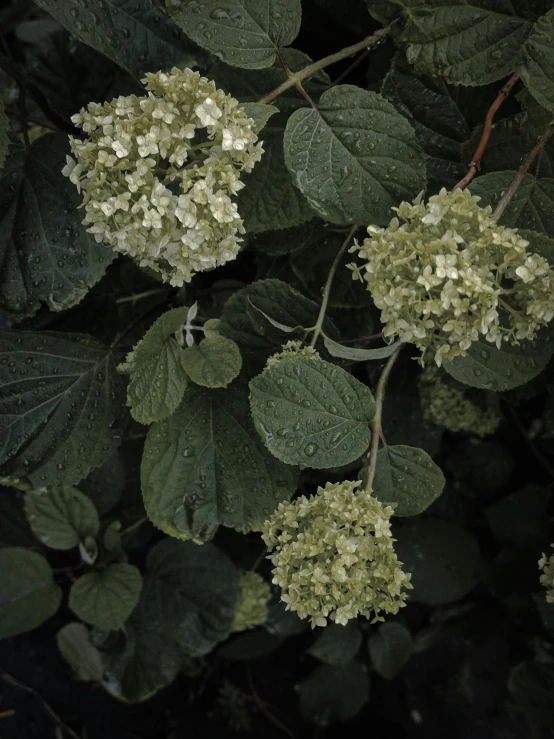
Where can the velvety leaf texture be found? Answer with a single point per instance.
(215, 362)
(136, 34)
(46, 256)
(106, 599)
(311, 413)
(28, 594)
(60, 519)
(206, 466)
(244, 33)
(60, 406)
(355, 157)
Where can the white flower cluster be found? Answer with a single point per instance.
(158, 173)
(449, 275)
(254, 595)
(454, 406)
(547, 577)
(292, 350)
(334, 555)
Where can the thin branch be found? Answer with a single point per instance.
(297, 77)
(134, 526)
(328, 285)
(266, 712)
(365, 53)
(49, 710)
(522, 171)
(376, 423)
(475, 164)
(373, 337)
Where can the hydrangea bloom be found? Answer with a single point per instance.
(334, 555)
(293, 350)
(547, 577)
(158, 173)
(455, 407)
(254, 596)
(449, 274)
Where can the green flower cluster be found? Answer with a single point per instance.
(547, 577)
(158, 173)
(449, 275)
(334, 557)
(254, 596)
(454, 407)
(292, 349)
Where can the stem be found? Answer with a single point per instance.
(373, 337)
(139, 296)
(328, 285)
(522, 171)
(297, 77)
(134, 526)
(376, 423)
(475, 164)
(365, 53)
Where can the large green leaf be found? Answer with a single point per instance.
(106, 599)
(28, 593)
(136, 34)
(489, 368)
(206, 466)
(429, 104)
(312, 413)
(46, 256)
(61, 519)
(355, 157)
(337, 645)
(471, 42)
(60, 406)
(441, 557)
(157, 381)
(407, 476)
(532, 206)
(244, 33)
(390, 648)
(333, 693)
(215, 362)
(537, 71)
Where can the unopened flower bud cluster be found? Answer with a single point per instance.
(333, 555)
(159, 173)
(449, 275)
(456, 408)
(254, 595)
(547, 577)
(292, 350)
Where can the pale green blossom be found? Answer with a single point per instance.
(454, 406)
(333, 555)
(254, 595)
(159, 173)
(292, 350)
(547, 577)
(444, 274)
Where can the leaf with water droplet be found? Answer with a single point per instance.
(312, 391)
(215, 362)
(537, 70)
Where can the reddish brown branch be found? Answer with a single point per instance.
(475, 164)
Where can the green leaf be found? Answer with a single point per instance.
(521, 518)
(490, 368)
(215, 362)
(539, 244)
(250, 645)
(390, 648)
(244, 33)
(337, 645)
(4, 131)
(357, 355)
(105, 484)
(205, 466)
(333, 693)
(442, 558)
(135, 34)
(311, 413)
(61, 519)
(260, 113)
(471, 42)
(60, 406)
(106, 599)
(81, 655)
(46, 256)
(429, 104)
(287, 240)
(28, 593)
(158, 380)
(408, 477)
(355, 157)
(532, 206)
(537, 71)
